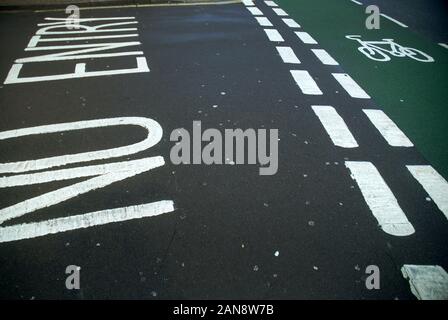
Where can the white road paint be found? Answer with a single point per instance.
(388, 129)
(248, 2)
(271, 4)
(154, 135)
(39, 229)
(357, 2)
(264, 22)
(274, 35)
(443, 45)
(335, 126)
(291, 23)
(434, 184)
(349, 85)
(36, 39)
(380, 199)
(305, 82)
(288, 55)
(427, 282)
(255, 11)
(394, 20)
(305, 37)
(280, 12)
(324, 57)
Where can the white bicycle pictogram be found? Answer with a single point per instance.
(374, 51)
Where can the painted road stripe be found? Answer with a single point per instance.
(443, 45)
(335, 126)
(324, 57)
(291, 23)
(305, 82)
(349, 85)
(271, 3)
(274, 35)
(380, 199)
(38, 229)
(357, 2)
(434, 184)
(280, 12)
(255, 11)
(264, 22)
(388, 129)
(427, 282)
(248, 2)
(393, 20)
(287, 55)
(305, 37)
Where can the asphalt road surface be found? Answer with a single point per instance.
(351, 190)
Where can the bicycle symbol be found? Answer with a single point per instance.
(374, 51)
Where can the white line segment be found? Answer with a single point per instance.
(324, 57)
(349, 85)
(305, 82)
(291, 23)
(427, 282)
(288, 55)
(305, 37)
(274, 35)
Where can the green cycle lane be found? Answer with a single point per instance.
(413, 93)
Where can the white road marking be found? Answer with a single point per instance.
(36, 39)
(271, 3)
(393, 20)
(280, 12)
(305, 82)
(255, 11)
(324, 57)
(291, 23)
(349, 85)
(388, 129)
(274, 35)
(288, 55)
(380, 199)
(305, 37)
(264, 22)
(443, 45)
(248, 2)
(335, 126)
(434, 184)
(39, 229)
(427, 282)
(357, 2)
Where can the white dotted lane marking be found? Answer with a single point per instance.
(248, 2)
(433, 183)
(274, 35)
(291, 23)
(394, 20)
(335, 126)
(264, 22)
(271, 4)
(305, 37)
(387, 128)
(427, 282)
(280, 12)
(305, 82)
(349, 85)
(324, 57)
(255, 11)
(288, 55)
(380, 199)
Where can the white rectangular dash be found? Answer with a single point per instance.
(288, 55)
(427, 282)
(388, 129)
(335, 126)
(349, 85)
(274, 35)
(264, 22)
(305, 82)
(291, 23)
(324, 57)
(280, 12)
(434, 184)
(380, 199)
(305, 37)
(271, 3)
(248, 2)
(255, 11)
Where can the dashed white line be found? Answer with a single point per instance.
(274, 35)
(305, 37)
(271, 3)
(380, 199)
(434, 184)
(324, 57)
(393, 20)
(305, 82)
(280, 12)
(288, 55)
(349, 85)
(427, 282)
(335, 126)
(264, 22)
(388, 129)
(291, 23)
(255, 11)
(248, 2)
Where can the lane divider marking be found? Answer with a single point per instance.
(427, 282)
(288, 55)
(291, 23)
(255, 11)
(305, 82)
(305, 37)
(248, 2)
(324, 57)
(264, 22)
(271, 4)
(274, 35)
(349, 85)
(280, 12)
